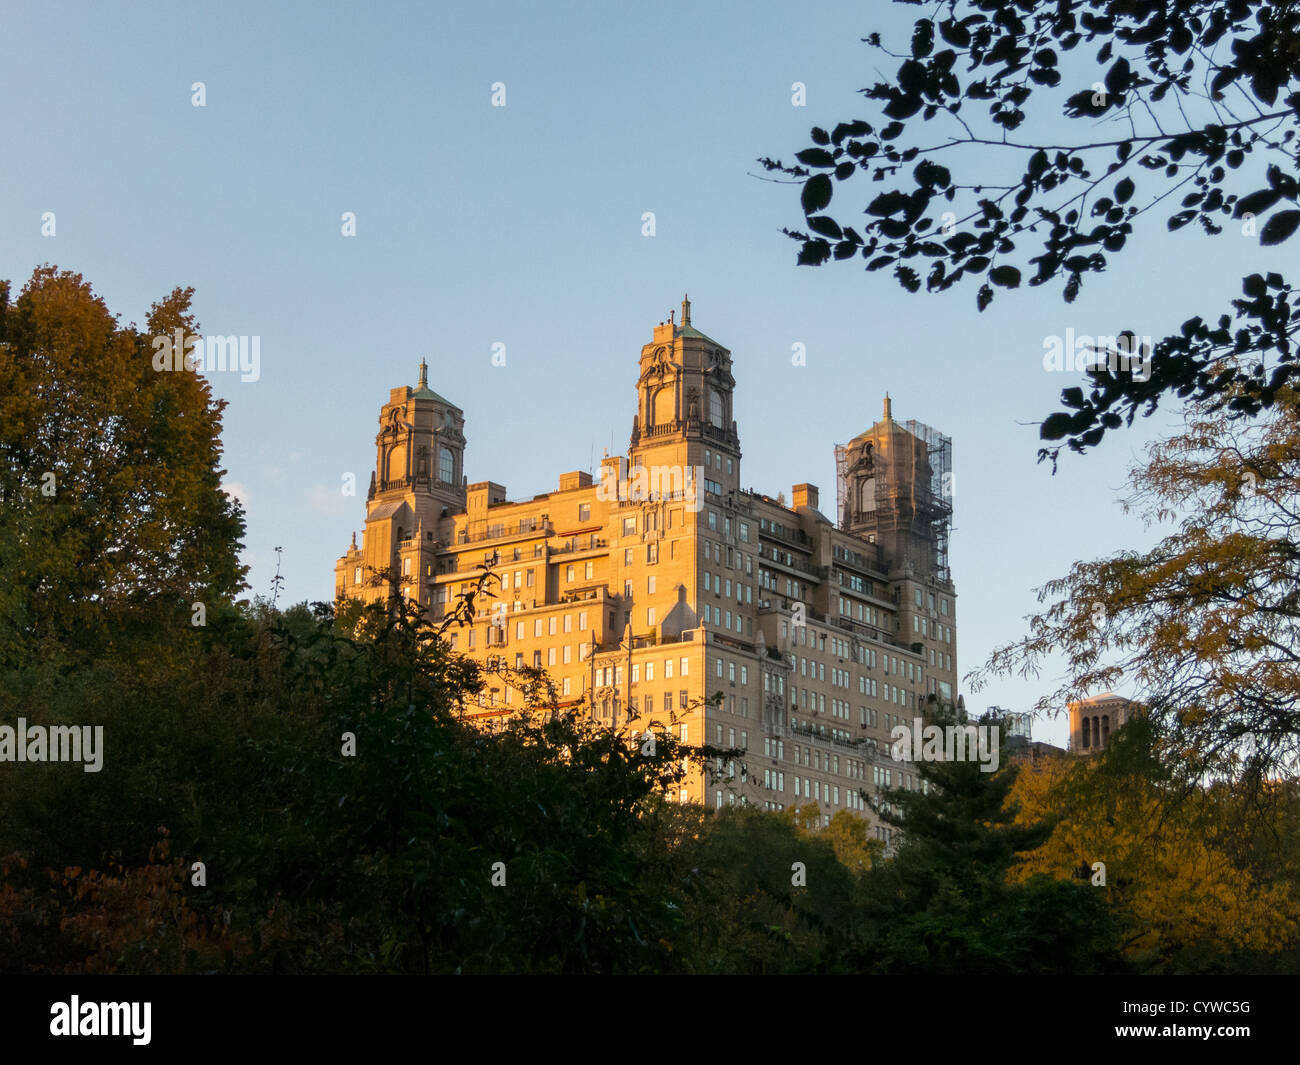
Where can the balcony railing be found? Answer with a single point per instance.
(593, 543)
(524, 527)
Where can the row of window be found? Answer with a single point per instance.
(722, 586)
(943, 601)
(931, 629)
(731, 557)
(713, 615)
(868, 615)
(566, 622)
(683, 702)
(721, 523)
(714, 458)
(731, 737)
(613, 674)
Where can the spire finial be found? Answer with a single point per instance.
(889, 415)
(686, 310)
(424, 374)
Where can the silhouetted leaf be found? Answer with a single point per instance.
(816, 193)
(1279, 227)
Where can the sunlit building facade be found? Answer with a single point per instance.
(653, 583)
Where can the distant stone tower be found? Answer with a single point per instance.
(417, 483)
(684, 404)
(1093, 720)
(894, 492)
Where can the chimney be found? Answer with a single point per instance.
(805, 495)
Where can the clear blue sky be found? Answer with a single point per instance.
(522, 225)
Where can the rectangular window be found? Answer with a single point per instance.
(650, 616)
(649, 671)
(568, 573)
(589, 570)
(650, 585)
(683, 699)
(629, 526)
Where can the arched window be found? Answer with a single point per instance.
(867, 496)
(715, 408)
(662, 407)
(446, 465)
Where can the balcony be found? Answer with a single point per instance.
(779, 558)
(655, 640)
(814, 733)
(573, 544)
(523, 527)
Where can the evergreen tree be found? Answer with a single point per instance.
(943, 904)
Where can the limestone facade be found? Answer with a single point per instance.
(654, 583)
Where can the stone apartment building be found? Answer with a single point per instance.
(649, 585)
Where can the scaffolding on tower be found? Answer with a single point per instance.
(930, 510)
(902, 480)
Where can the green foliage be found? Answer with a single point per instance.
(1189, 93)
(112, 520)
(544, 844)
(944, 905)
(742, 908)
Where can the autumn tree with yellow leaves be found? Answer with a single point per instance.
(1189, 891)
(1206, 624)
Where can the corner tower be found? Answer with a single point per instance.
(420, 449)
(418, 481)
(685, 392)
(895, 486)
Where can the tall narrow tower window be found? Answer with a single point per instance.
(446, 465)
(715, 408)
